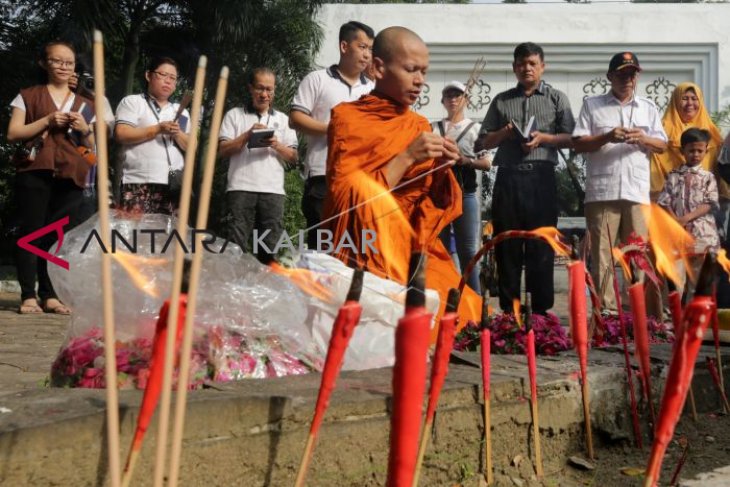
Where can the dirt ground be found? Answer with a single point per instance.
(709, 448)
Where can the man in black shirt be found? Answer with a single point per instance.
(527, 123)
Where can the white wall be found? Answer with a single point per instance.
(674, 43)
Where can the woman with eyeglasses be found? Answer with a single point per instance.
(467, 227)
(55, 128)
(153, 142)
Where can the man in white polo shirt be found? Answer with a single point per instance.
(318, 93)
(152, 141)
(618, 132)
(255, 191)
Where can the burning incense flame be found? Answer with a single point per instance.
(552, 237)
(621, 259)
(133, 265)
(723, 260)
(305, 280)
(669, 241)
(516, 310)
(488, 229)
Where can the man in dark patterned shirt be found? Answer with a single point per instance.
(528, 124)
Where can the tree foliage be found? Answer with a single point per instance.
(280, 34)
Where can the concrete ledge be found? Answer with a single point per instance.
(253, 432)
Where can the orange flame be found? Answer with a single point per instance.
(133, 265)
(305, 280)
(488, 228)
(723, 260)
(552, 237)
(669, 241)
(618, 254)
(516, 310)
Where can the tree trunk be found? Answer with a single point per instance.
(129, 63)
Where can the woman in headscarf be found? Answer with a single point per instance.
(686, 110)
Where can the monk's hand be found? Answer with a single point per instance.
(426, 146)
(450, 152)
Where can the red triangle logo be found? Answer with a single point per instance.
(24, 242)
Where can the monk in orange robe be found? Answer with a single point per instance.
(387, 172)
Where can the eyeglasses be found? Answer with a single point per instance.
(171, 77)
(690, 98)
(58, 63)
(262, 89)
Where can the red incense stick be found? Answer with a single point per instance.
(696, 319)
(347, 319)
(439, 369)
(409, 378)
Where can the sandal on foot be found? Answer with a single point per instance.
(30, 307)
(59, 309)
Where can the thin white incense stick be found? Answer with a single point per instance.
(172, 319)
(110, 359)
(197, 259)
(183, 215)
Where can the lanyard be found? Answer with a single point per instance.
(631, 113)
(157, 116)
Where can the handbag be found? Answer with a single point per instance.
(87, 154)
(174, 182)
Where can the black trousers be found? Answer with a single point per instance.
(42, 199)
(315, 190)
(260, 211)
(525, 200)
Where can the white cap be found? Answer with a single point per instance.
(454, 85)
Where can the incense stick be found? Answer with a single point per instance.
(474, 76)
(184, 211)
(110, 359)
(718, 355)
(532, 372)
(195, 270)
(624, 342)
(485, 355)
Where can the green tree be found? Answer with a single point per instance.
(281, 34)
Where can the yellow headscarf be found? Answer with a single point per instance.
(662, 164)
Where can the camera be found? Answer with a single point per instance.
(85, 83)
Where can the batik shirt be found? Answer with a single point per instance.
(687, 188)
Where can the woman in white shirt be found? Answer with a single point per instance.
(153, 142)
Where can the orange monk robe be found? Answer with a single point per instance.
(363, 137)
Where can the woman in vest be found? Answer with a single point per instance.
(55, 128)
(153, 139)
(467, 227)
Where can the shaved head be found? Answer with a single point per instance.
(400, 62)
(390, 41)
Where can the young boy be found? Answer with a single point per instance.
(690, 195)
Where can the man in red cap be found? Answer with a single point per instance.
(617, 132)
